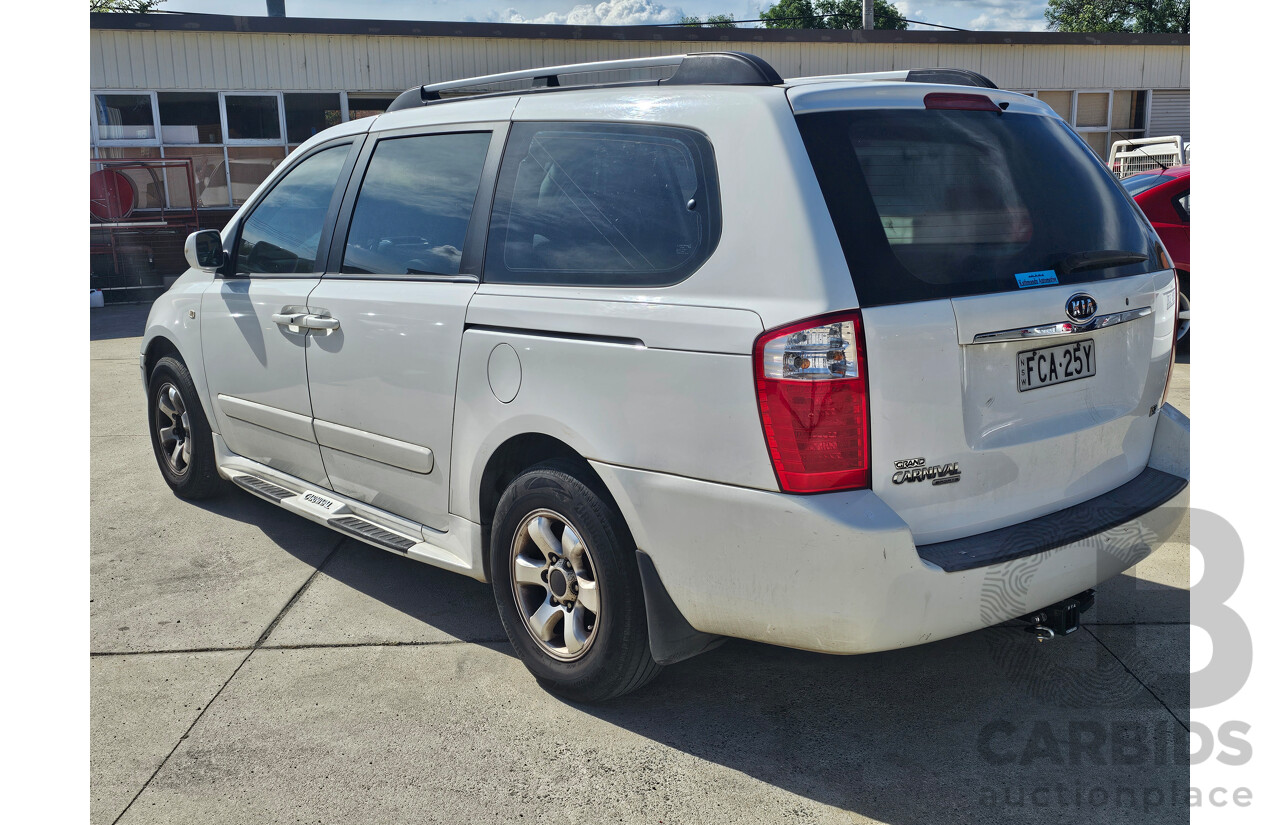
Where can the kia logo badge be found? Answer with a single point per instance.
(1081, 307)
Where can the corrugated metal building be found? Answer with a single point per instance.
(234, 94)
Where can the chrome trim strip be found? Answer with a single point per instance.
(1062, 328)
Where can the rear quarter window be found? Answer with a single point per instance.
(935, 204)
(602, 205)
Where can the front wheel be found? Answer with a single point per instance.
(567, 585)
(180, 434)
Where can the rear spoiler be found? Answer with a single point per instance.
(952, 77)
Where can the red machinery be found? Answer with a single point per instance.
(140, 210)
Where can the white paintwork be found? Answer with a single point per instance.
(839, 573)
(504, 373)
(1021, 454)
(396, 413)
(263, 363)
(399, 454)
(390, 371)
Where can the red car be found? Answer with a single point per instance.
(1165, 196)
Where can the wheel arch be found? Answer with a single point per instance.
(159, 347)
(511, 458)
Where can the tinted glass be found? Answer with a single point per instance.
(414, 205)
(124, 117)
(189, 117)
(935, 204)
(310, 114)
(1137, 184)
(1182, 204)
(607, 205)
(253, 117)
(282, 235)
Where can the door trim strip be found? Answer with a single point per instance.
(273, 418)
(380, 448)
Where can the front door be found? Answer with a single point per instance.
(254, 318)
(382, 379)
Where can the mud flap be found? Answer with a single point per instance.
(671, 638)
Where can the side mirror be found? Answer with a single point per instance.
(204, 250)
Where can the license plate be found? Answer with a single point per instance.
(1055, 365)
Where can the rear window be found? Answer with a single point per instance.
(603, 205)
(940, 203)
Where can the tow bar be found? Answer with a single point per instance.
(1058, 619)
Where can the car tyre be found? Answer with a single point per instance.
(567, 584)
(181, 437)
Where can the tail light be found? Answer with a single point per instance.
(951, 100)
(811, 382)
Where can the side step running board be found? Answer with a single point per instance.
(353, 518)
(372, 533)
(353, 526)
(263, 488)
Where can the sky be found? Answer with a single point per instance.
(1004, 15)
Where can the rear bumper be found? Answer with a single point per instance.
(840, 573)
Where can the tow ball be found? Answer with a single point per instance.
(1058, 619)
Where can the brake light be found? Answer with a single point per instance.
(954, 100)
(811, 382)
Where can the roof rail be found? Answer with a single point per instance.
(954, 77)
(699, 68)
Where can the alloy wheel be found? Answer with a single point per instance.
(554, 580)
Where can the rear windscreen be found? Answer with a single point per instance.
(941, 203)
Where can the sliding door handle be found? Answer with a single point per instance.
(289, 319)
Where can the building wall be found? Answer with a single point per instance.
(131, 60)
(1170, 113)
(226, 60)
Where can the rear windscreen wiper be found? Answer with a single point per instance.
(1098, 259)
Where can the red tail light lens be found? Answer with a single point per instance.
(811, 381)
(952, 100)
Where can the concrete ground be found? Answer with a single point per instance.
(249, 666)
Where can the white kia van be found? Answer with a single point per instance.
(844, 363)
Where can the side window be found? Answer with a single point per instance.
(603, 205)
(282, 235)
(414, 206)
(1182, 204)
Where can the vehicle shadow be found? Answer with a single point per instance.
(451, 603)
(118, 321)
(982, 727)
(987, 726)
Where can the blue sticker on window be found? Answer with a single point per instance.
(1043, 277)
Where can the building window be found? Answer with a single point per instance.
(367, 105)
(190, 118)
(124, 117)
(310, 114)
(234, 139)
(1101, 117)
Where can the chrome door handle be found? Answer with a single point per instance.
(288, 319)
(323, 322)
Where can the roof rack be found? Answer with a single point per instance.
(699, 68)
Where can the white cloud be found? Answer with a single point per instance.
(608, 13)
(1009, 15)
